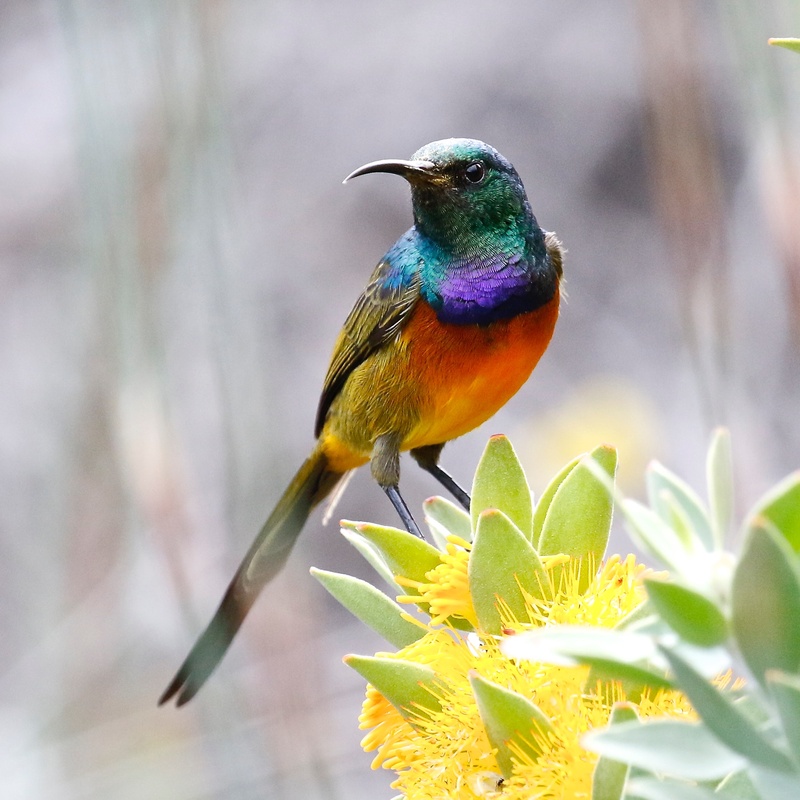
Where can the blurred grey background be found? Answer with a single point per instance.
(177, 253)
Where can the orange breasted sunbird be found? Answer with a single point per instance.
(450, 325)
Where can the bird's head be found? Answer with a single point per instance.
(461, 190)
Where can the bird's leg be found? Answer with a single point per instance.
(402, 509)
(385, 466)
(428, 459)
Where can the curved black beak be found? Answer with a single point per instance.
(408, 169)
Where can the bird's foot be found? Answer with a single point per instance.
(402, 509)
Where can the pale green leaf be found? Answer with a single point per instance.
(786, 691)
(737, 786)
(655, 789)
(680, 749)
(449, 516)
(404, 553)
(766, 602)
(410, 687)
(570, 644)
(721, 717)
(789, 44)
(773, 785)
(613, 655)
(578, 520)
(503, 565)
(719, 475)
(371, 606)
(653, 536)
(509, 718)
(543, 506)
(438, 534)
(660, 481)
(781, 506)
(500, 483)
(675, 515)
(370, 555)
(692, 616)
(609, 776)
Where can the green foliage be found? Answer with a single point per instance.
(610, 776)
(682, 750)
(713, 611)
(402, 553)
(789, 44)
(503, 566)
(743, 611)
(371, 606)
(578, 516)
(695, 618)
(500, 483)
(509, 719)
(504, 573)
(766, 602)
(408, 686)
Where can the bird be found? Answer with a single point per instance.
(451, 323)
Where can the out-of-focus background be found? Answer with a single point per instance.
(177, 253)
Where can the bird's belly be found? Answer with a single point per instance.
(435, 382)
(465, 373)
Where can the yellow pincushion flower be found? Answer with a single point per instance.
(484, 700)
(446, 588)
(447, 753)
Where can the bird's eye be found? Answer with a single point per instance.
(475, 172)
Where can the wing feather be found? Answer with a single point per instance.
(377, 316)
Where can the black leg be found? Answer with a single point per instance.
(385, 466)
(402, 509)
(428, 459)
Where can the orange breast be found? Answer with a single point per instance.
(465, 373)
(435, 382)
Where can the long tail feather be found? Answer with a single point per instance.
(263, 561)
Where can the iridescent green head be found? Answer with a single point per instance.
(464, 193)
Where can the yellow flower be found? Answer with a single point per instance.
(446, 753)
(447, 588)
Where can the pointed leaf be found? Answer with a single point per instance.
(404, 553)
(775, 785)
(410, 687)
(571, 644)
(652, 535)
(371, 556)
(502, 566)
(500, 483)
(655, 789)
(719, 476)
(737, 786)
(578, 521)
(609, 776)
(781, 506)
(371, 606)
(789, 44)
(438, 534)
(786, 691)
(721, 717)
(676, 517)
(681, 749)
(633, 678)
(691, 615)
(659, 480)
(543, 506)
(449, 516)
(509, 718)
(641, 619)
(766, 602)
(612, 655)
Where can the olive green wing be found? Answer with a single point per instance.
(378, 315)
